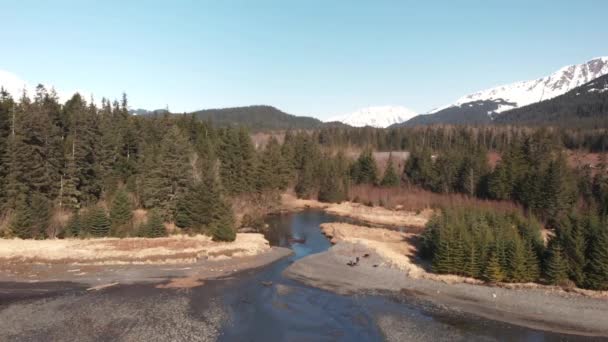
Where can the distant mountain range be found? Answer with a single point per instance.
(584, 106)
(573, 95)
(380, 116)
(486, 105)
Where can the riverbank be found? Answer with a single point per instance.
(387, 265)
(373, 215)
(115, 261)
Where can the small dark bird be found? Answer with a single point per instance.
(375, 265)
(366, 255)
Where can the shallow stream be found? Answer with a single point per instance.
(265, 306)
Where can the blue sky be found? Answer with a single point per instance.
(317, 58)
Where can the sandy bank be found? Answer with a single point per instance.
(534, 308)
(389, 267)
(360, 212)
(108, 261)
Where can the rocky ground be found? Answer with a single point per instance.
(534, 308)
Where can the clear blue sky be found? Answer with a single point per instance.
(317, 58)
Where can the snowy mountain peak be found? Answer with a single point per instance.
(526, 92)
(378, 116)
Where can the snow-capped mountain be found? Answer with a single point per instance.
(14, 85)
(379, 116)
(523, 93)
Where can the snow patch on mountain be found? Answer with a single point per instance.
(378, 116)
(15, 86)
(528, 92)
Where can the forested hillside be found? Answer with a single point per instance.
(257, 118)
(94, 165)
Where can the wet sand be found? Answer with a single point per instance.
(533, 308)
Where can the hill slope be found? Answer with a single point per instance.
(585, 106)
(257, 118)
(494, 101)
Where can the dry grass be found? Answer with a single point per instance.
(415, 199)
(380, 215)
(174, 249)
(375, 215)
(255, 206)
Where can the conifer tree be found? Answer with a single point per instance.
(597, 268)
(532, 264)
(98, 222)
(121, 211)
(69, 195)
(21, 224)
(182, 213)
(493, 271)
(364, 170)
(390, 177)
(556, 268)
(74, 226)
(517, 262)
(154, 227)
(222, 226)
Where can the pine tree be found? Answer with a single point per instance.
(21, 224)
(69, 195)
(120, 212)
(532, 264)
(493, 271)
(154, 228)
(597, 269)
(517, 262)
(390, 177)
(98, 222)
(182, 213)
(74, 226)
(556, 269)
(364, 171)
(222, 226)
(443, 261)
(168, 173)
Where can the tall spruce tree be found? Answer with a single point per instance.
(120, 213)
(597, 268)
(390, 177)
(98, 224)
(154, 227)
(556, 269)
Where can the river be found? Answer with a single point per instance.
(265, 306)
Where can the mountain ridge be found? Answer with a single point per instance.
(497, 100)
(375, 116)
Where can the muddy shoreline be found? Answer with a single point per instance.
(533, 308)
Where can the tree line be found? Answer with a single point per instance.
(96, 164)
(507, 247)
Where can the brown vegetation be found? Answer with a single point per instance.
(174, 249)
(415, 199)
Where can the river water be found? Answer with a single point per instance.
(262, 305)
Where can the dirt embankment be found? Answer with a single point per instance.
(360, 212)
(386, 262)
